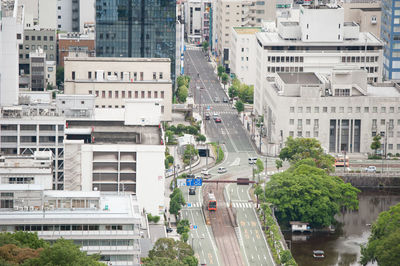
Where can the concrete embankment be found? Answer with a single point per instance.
(374, 180)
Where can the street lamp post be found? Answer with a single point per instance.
(261, 131)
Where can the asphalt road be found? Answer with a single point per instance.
(238, 148)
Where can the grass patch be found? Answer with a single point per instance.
(218, 151)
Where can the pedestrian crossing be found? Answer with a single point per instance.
(193, 205)
(242, 205)
(193, 48)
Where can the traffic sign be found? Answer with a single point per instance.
(194, 226)
(197, 182)
(181, 182)
(208, 107)
(189, 204)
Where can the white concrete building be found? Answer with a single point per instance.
(47, 14)
(28, 169)
(119, 150)
(11, 36)
(100, 223)
(115, 80)
(73, 14)
(197, 21)
(317, 44)
(243, 53)
(341, 110)
(39, 127)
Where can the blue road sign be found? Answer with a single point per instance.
(208, 107)
(184, 48)
(189, 204)
(194, 226)
(197, 182)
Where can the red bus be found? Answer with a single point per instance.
(211, 202)
(342, 162)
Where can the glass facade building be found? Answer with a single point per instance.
(390, 34)
(136, 28)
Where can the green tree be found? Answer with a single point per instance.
(233, 91)
(23, 240)
(183, 81)
(384, 243)
(189, 154)
(201, 138)
(220, 70)
(173, 251)
(246, 93)
(258, 191)
(376, 143)
(182, 226)
(259, 165)
(307, 193)
(278, 164)
(184, 237)
(224, 79)
(177, 201)
(63, 253)
(174, 207)
(59, 76)
(191, 130)
(239, 106)
(182, 93)
(205, 46)
(303, 148)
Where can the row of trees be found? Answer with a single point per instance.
(183, 88)
(222, 75)
(27, 249)
(243, 91)
(176, 202)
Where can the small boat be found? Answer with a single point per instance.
(318, 254)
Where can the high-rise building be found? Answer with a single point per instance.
(133, 28)
(390, 34)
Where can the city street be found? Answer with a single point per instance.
(237, 149)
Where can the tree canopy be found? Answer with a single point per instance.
(177, 201)
(243, 91)
(220, 70)
(297, 149)
(167, 251)
(384, 243)
(239, 106)
(308, 194)
(376, 143)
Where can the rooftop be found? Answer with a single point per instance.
(369, 9)
(383, 90)
(247, 30)
(321, 6)
(116, 59)
(299, 78)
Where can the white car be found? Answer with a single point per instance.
(221, 170)
(252, 160)
(370, 169)
(205, 172)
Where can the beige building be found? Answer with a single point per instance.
(235, 13)
(115, 80)
(367, 15)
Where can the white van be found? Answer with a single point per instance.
(252, 160)
(221, 170)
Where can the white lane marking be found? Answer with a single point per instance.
(235, 162)
(262, 233)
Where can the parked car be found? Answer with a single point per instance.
(218, 120)
(216, 99)
(168, 229)
(192, 191)
(205, 173)
(221, 170)
(370, 169)
(225, 100)
(207, 116)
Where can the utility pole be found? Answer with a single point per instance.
(261, 131)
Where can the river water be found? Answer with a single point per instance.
(343, 246)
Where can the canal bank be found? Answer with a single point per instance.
(343, 246)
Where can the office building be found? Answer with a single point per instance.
(35, 127)
(37, 63)
(341, 110)
(75, 44)
(317, 44)
(390, 28)
(243, 53)
(34, 39)
(132, 28)
(27, 169)
(11, 35)
(72, 15)
(115, 80)
(235, 13)
(112, 151)
(105, 224)
(197, 20)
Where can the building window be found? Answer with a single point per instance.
(97, 93)
(90, 92)
(142, 94)
(162, 109)
(51, 39)
(374, 109)
(315, 134)
(308, 109)
(382, 122)
(383, 109)
(162, 94)
(110, 94)
(308, 134)
(308, 121)
(391, 110)
(366, 109)
(141, 75)
(154, 75)
(299, 134)
(26, 37)
(292, 109)
(136, 94)
(316, 109)
(358, 109)
(341, 109)
(82, 102)
(129, 94)
(324, 109)
(333, 109)
(73, 75)
(89, 75)
(156, 94)
(116, 94)
(291, 121)
(51, 47)
(122, 94)
(299, 109)
(161, 75)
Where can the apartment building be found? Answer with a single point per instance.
(28, 128)
(11, 35)
(105, 224)
(114, 80)
(112, 152)
(318, 42)
(27, 169)
(341, 110)
(243, 53)
(365, 14)
(37, 63)
(75, 44)
(35, 39)
(73, 14)
(235, 13)
(197, 20)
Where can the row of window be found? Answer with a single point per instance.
(308, 122)
(390, 133)
(33, 127)
(106, 242)
(350, 109)
(285, 69)
(122, 106)
(21, 56)
(31, 139)
(129, 94)
(39, 38)
(33, 47)
(74, 227)
(307, 135)
(287, 59)
(133, 75)
(357, 59)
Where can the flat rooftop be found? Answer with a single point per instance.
(369, 9)
(383, 91)
(299, 78)
(247, 30)
(116, 59)
(321, 7)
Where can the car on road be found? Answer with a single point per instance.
(215, 115)
(252, 160)
(205, 173)
(218, 120)
(225, 100)
(216, 99)
(221, 170)
(168, 229)
(207, 116)
(192, 191)
(370, 169)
